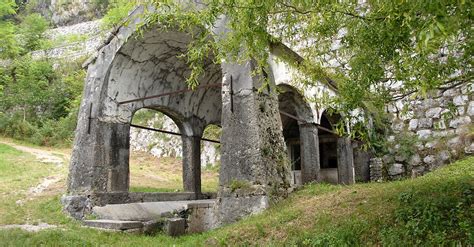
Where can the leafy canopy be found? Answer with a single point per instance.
(371, 53)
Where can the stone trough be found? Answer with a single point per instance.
(172, 217)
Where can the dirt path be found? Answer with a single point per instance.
(42, 156)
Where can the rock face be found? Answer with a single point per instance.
(74, 42)
(64, 13)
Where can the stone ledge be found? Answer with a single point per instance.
(114, 224)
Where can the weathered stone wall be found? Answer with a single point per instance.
(73, 42)
(429, 132)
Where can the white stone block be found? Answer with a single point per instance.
(433, 112)
(454, 142)
(470, 109)
(424, 134)
(444, 155)
(469, 149)
(461, 110)
(459, 121)
(425, 123)
(451, 92)
(413, 124)
(460, 100)
(397, 126)
(414, 160)
(431, 144)
(430, 159)
(396, 169)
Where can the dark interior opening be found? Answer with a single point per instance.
(327, 145)
(291, 134)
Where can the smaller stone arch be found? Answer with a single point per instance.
(300, 133)
(336, 152)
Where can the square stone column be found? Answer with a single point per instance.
(192, 164)
(310, 165)
(254, 164)
(102, 163)
(345, 161)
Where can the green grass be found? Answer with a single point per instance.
(433, 210)
(19, 172)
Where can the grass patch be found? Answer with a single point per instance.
(151, 174)
(18, 173)
(433, 210)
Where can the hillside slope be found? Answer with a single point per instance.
(436, 209)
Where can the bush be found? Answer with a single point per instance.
(39, 103)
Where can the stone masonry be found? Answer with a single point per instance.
(430, 132)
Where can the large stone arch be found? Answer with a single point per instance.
(142, 66)
(131, 66)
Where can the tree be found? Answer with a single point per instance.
(32, 29)
(362, 50)
(8, 43)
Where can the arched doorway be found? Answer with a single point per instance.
(155, 157)
(128, 73)
(335, 152)
(300, 134)
(328, 151)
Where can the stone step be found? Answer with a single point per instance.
(169, 226)
(114, 224)
(173, 218)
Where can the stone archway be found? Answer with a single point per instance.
(130, 67)
(144, 66)
(301, 136)
(336, 152)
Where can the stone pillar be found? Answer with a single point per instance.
(345, 161)
(254, 163)
(376, 167)
(100, 157)
(192, 164)
(361, 163)
(309, 142)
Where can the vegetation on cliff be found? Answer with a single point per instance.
(39, 97)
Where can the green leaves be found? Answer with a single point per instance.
(7, 7)
(9, 46)
(32, 31)
(362, 49)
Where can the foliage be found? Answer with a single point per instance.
(19, 39)
(117, 12)
(7, 8)
(39, 103)
(421, 221)
(361, 50)
(236, 184)
(32, 32)
(8, 43)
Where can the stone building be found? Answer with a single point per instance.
(271, 138)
